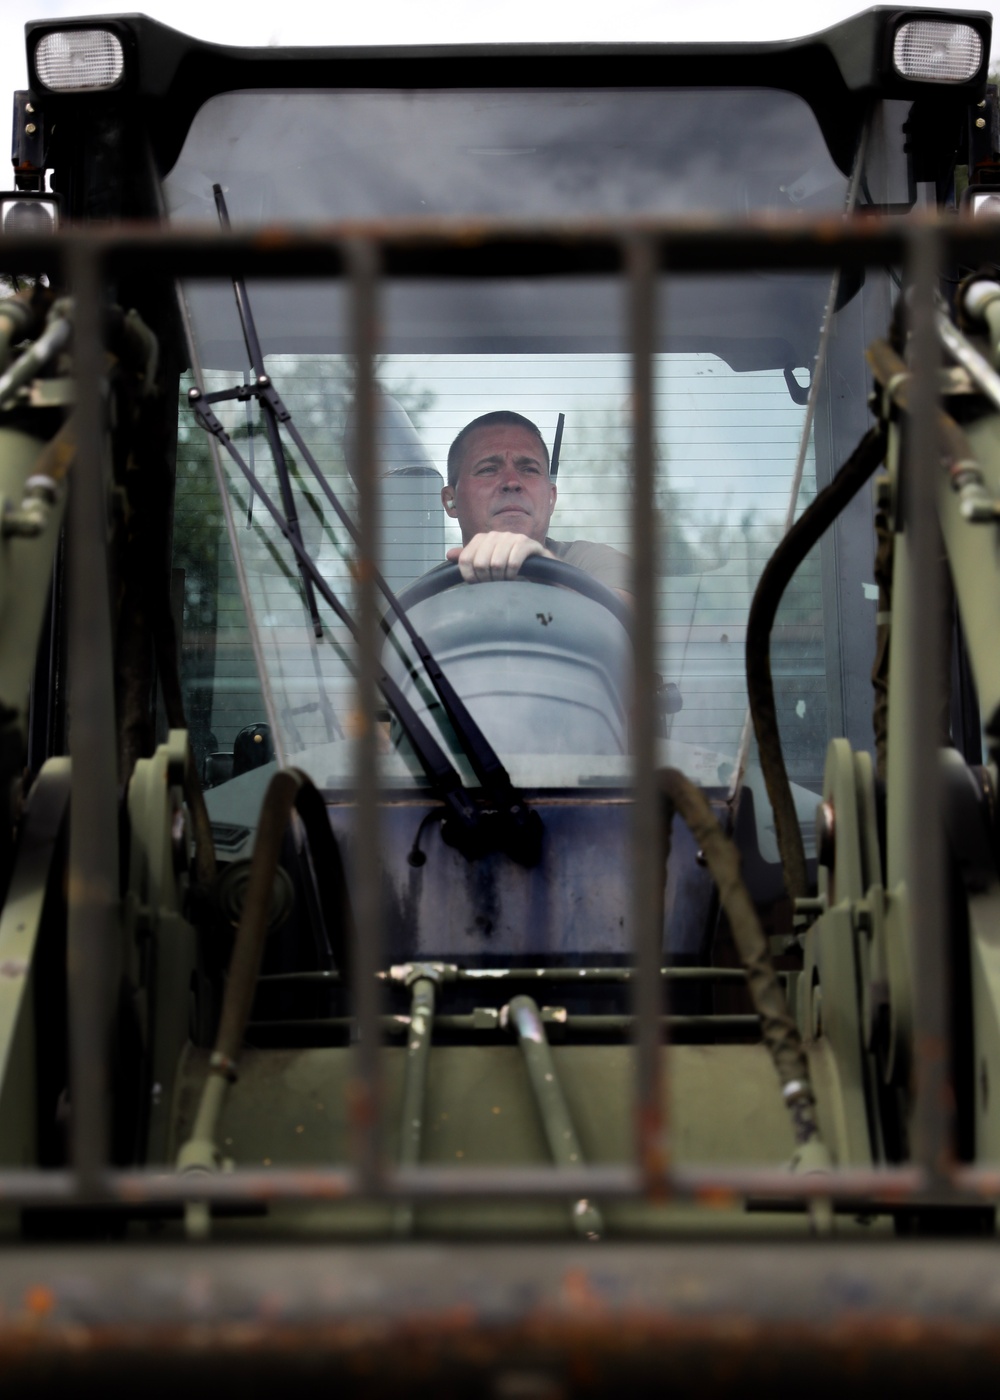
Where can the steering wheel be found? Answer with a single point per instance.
(536, 569)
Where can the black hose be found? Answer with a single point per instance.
(779, 1031)
(328, 870)
(288, 789)
(777, 575)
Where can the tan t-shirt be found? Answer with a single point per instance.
(609, 566)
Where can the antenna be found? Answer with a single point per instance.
(556, 445)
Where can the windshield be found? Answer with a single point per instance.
(735, 462)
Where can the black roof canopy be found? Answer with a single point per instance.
(837, 71)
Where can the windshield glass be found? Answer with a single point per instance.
(548, 680)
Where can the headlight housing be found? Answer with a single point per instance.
(23, 214)
(982, 201)
(79, 60)
(937, 51)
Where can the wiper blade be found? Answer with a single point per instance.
(520, 827)
(256, 357)
(470, 832)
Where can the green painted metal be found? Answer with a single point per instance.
(26, 558)
(20, 926)
(291, 1108)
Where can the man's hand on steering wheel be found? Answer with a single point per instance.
(497, 555)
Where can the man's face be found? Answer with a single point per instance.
(503, 484)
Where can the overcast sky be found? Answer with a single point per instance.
(433, 21)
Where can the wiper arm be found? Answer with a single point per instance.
(469, 833)
(524, 825)
(267, 412)
(520, 827)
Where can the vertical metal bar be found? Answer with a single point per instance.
(925, 651)
(362, 260)
(93, 840)
(647, 864)
(418, 1054)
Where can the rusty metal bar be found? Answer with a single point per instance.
(933, 1128)
(678, 1317)
(647, 868)
(365, 956)
(455, 248)
(461, 248)
(93, 892)
(885, 1188)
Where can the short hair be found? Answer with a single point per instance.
(490, 420)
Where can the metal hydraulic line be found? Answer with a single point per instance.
(418, 1052)
(523, 1014)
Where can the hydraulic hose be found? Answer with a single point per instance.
(287, 790)
(778, 1028)
(975, 503)
(778, 573)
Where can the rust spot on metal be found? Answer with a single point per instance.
(717, 1198)
(273, 236)
(580, 1293)
(39, 1301)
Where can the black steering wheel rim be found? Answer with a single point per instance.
(536, 569)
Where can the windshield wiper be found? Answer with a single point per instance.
(502, 818)
(468, 824)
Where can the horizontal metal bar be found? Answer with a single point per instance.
(503, 248)
(634, 1317)
(876, 1189)
(471, 1021)
(533, 974)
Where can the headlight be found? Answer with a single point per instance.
(981, 202)
(27, 214)
(933, 51)
(79, 60)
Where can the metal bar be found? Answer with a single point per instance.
(888, 1188)
(964, 353)
(418, 1051)
(537, 974)
(463, 248)
(557, 1121)
(678, 1316)
(925, 649)
(365, 952)
(646, 858)
(93, 891)
(478, 1020)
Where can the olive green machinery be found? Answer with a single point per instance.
(500, 985)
